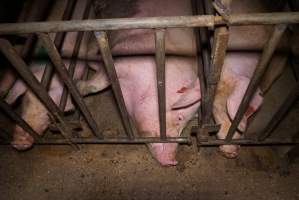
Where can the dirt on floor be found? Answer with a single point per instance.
(129, 172)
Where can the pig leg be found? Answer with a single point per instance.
(221, 117)
(231, 98)
(235, 98)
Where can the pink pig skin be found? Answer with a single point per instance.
(32, 111)
(137, 76)
(237, 71)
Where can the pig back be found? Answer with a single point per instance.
(178, 41)
(254, 37)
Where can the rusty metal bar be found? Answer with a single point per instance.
(182, 140)
(14, 116)
(7, 49)
(250, 142)
(257, 77)
(102, 40)
(58, 41)
(149, 22)
(202, 46)
(63, 73)
(280, 113)
(74, 56)
(115, 140)
(220, 44)
(160, 63)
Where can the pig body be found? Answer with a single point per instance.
(178, 41)
(137, 77)
(237, 71)
(32, 110)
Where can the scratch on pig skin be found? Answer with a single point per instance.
(182, 90)
(249, 111)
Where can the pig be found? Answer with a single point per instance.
(178, 41)
(32, 110)
(137, 77)
(237, 71)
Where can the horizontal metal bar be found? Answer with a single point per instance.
(249, 142)
(181, 140)
(149, 22)
(63, 73)
(102, 40)
(261, 18)
(15, 117)
(116, 140)
(160, 71)
(257, 77)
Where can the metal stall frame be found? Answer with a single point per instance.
(221, 23)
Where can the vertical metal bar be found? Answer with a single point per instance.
(102, 40)
(74, 56)
(58, 41)
(160, 63)
(24, 71)
(221, 37)
(63, 73)
(257, 77)
(212, 69)
(203, 48)
(14, 116)
(280, 113)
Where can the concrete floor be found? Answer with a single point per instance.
(129, 172)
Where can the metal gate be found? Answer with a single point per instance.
(220, 23)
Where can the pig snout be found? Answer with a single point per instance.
(21, 139)
(164, 153)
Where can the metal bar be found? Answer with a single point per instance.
(184, 140)
(63, 73)
(220, 44)
(160, 63)
(7, 49)
(250, 142)
(149, 22)
(74, 56)
(14, 116)
(202, 44)
(58, 41)
(102, 40)
(280, 113)
(116, 140)
(257, 77)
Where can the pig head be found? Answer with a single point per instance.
(137, 77)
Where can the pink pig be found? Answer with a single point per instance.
(237, 71)
(137, 76)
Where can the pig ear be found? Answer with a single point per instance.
(234, 100)
(189, 97)
(15, 92)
